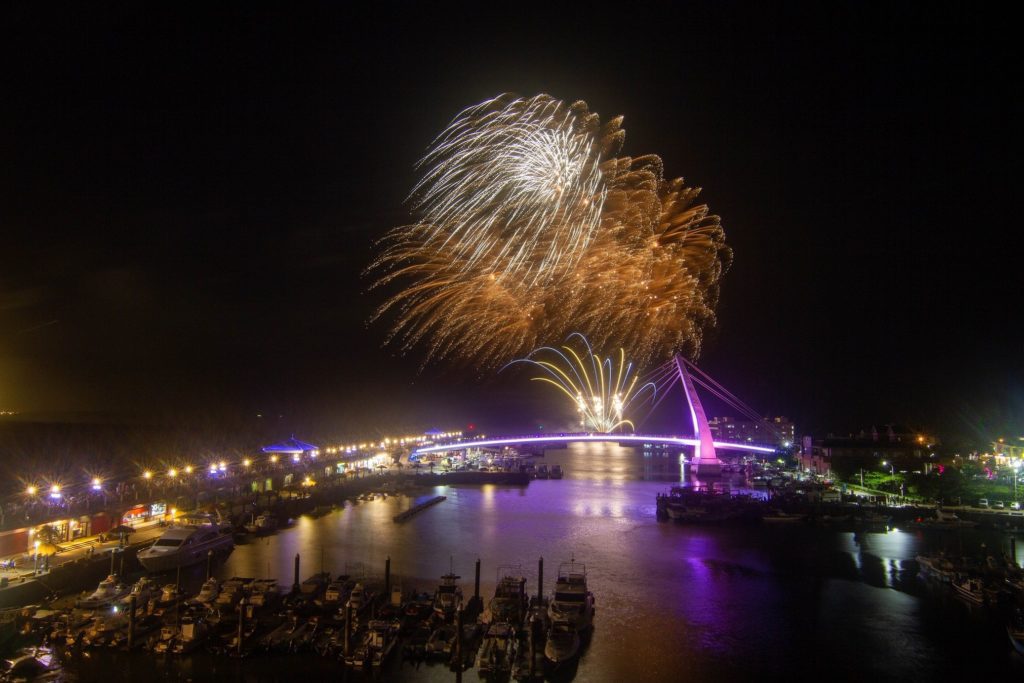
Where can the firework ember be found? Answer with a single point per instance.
(529, 226)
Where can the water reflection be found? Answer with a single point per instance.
(673, 602)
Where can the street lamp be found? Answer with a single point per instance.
(31, 490)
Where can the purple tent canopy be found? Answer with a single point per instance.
(291, 445)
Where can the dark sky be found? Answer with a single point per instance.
(189, 194)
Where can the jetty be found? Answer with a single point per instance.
(416, 509)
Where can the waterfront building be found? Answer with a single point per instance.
(778, 430)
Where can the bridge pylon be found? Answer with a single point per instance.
(705, 460)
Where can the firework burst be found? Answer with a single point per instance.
(601, 390)
(529, 226)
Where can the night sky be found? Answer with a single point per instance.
(189, 196)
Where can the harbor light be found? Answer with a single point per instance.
(246, 462)
(296, 457)
(31, 490)
(213, 469)
(96, 484)
(55, 491)
(188, 469)
(222, 465)
(147, 475)
(273, 458)
(172, 473)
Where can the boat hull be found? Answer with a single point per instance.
(164, 562)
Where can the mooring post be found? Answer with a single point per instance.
(131, 622)
(241, 624)
(476, 582)
(533, 644)
(387, 579)
(458, 646)
(348, 630)
(295, 583)
(540, 581)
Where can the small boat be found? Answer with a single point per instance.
(143, 591)
(944, 520)
(510, 601)
(263, 524)
(563, 643)
(314, 587)
(556, 472)
(937, 567)
(872, 518)
(1015, 631)
(781, 516)
(264, 592)
(969, 588)
(109, 591)
(441, 641)
(208, 593)
(496, 650)
(192, 634)
(382, 637)
(170, 595)
(448, 598)
(232, 591)
(336, 592)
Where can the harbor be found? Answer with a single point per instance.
(736, 599)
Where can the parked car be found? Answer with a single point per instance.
(1015, 505)
(983, 502)
(998, 505)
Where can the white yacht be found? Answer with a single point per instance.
(110, 590)
(572, 602)
(208, 593)
(186, 544)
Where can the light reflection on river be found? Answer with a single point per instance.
(673, 602)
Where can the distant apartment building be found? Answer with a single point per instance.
(777, 431)
(895, 444)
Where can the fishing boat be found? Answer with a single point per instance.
(186, 544)
(572, 603)
(448, 598)
(510, 601)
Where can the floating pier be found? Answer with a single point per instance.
(401, 517)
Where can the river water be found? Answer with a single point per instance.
(763, 602)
